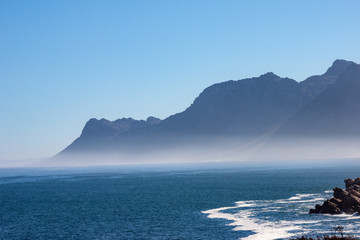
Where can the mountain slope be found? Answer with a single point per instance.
(248, 107)
(98, 134)
(335, 112)
(316, 84)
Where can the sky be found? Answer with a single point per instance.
(64, 62)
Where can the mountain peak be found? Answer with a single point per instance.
(338, 67)
(270, 74)
(153, 120)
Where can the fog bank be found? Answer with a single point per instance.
(283, 151)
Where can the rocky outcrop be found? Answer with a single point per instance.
(344, 201)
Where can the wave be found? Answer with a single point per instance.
(283, 218)
(244, 221)
(301, 196)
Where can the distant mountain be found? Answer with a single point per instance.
(316, 84)
(248, 109)
(98, 134)
(108, 129)
(334, 112)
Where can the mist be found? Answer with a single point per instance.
(222, 151)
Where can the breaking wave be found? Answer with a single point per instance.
(284, 218)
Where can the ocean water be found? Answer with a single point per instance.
(166, 203)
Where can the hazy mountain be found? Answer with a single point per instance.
(316, 84)
(334, 112)
(248, 109)
(110, 129)
(98, 134)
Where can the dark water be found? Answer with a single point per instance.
(118, 203)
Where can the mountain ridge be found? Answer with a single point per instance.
(246, 109)
(332, 109)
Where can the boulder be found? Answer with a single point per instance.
(340, 193)
(344, 201)
(348, 182)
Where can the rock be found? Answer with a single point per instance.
(340, 193)
(350, 204)
(357, 181)
(316, 210)
(344, 201)
(331, 207)
(355, 193)
(348, 182)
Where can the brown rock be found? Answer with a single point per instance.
(340, 193)
(354, 193)
(357, 181)
(348, 182)
(344, 201)
(350, 204)
(330, 207)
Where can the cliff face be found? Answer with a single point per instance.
(320, 106)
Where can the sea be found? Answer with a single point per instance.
(171, 202)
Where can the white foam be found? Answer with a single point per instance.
(265, 229)
(243, 221)
(243, 204)
(294, 198)
(216, 213)
(301, 222)
(301, 196)
(310, 200)
(346, 216)
(245, 217)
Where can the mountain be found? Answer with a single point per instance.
(98, 134)
(335, 112)
(316, 84)
(248, 109)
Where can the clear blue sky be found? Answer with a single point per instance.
(63, 62)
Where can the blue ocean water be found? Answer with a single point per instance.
(194, 203)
